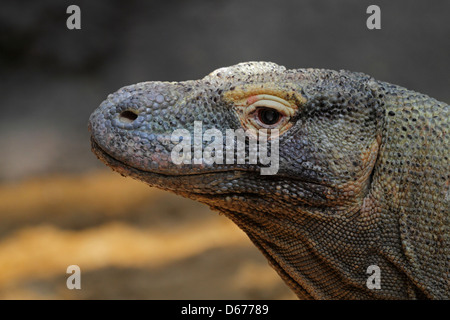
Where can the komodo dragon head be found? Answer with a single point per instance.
(318, 167)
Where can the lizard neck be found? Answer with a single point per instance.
(305, 254)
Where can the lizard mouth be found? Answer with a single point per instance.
(184, 184)
(121, 166)
(105, 157)
(181, 184)
(178, 183)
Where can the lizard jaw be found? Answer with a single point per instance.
(178, 183)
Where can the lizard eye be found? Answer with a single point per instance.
(265, 111)
(268, 116)
(269, 113)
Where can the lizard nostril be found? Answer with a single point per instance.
(128, 116)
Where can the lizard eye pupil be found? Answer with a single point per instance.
(268, 116)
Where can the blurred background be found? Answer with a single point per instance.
(60, 206)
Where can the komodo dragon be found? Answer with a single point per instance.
(361, 183)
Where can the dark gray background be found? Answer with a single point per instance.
(52, 78)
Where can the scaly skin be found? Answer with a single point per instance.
(362, 177)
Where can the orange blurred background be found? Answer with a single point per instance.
(130, 242)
